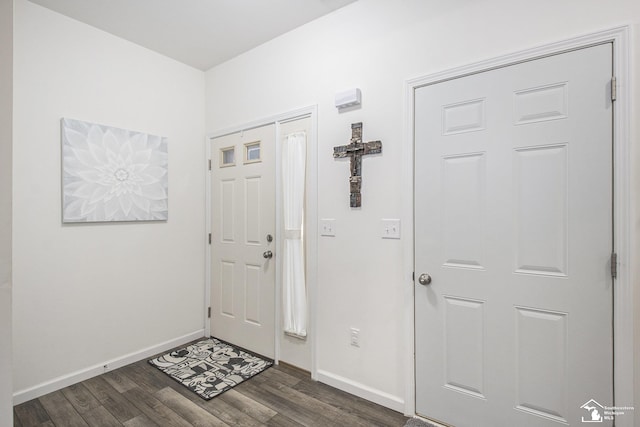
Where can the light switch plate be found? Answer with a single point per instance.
(390, 228)
(328, 227)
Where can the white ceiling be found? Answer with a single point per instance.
(200, 33)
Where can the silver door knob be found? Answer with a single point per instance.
(268, 254)
(424, 279)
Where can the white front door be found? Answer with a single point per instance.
(243, 228)
(513, 223)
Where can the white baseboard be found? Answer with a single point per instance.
(99, 369)
(361, 390)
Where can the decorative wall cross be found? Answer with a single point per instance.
(355, 150)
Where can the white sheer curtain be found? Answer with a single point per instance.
(294, 288)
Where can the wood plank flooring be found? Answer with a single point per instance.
(139, 395)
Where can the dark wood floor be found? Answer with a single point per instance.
(139, 395)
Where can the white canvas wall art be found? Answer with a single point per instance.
(111, 174)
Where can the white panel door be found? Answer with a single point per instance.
(243, 215)
(513, 223)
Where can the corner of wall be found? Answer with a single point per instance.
(115, 278)
(6, 141)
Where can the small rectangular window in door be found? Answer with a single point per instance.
(252, 152)
(227, 157)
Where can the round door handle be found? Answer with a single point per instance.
(267, 254)
(424, 279)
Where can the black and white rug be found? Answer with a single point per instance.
(210, 367)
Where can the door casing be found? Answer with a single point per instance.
(623, 301)
(311, 227)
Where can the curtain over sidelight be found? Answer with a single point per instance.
(294, 291)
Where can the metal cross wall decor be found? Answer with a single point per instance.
(355, 150)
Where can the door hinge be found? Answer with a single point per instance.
(614, 88)
(209, 238)
(614, 265)
(208, 312)
(413, 276)
(209, 164)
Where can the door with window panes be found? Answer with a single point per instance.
(242, 246)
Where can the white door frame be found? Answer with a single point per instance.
(311, 228)
(623, 301)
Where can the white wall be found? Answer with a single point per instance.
(85, 294)
(6, 101)
(377, 45)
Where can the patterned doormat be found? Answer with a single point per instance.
(210, 367)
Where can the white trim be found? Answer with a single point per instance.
(312, 240)
(311, 228)
(357, 389)
(281, 118)
(101, 368)
(279, 245)
(623, 300)
(208, 162)
(408, 252)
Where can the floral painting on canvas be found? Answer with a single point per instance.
(111, 174)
